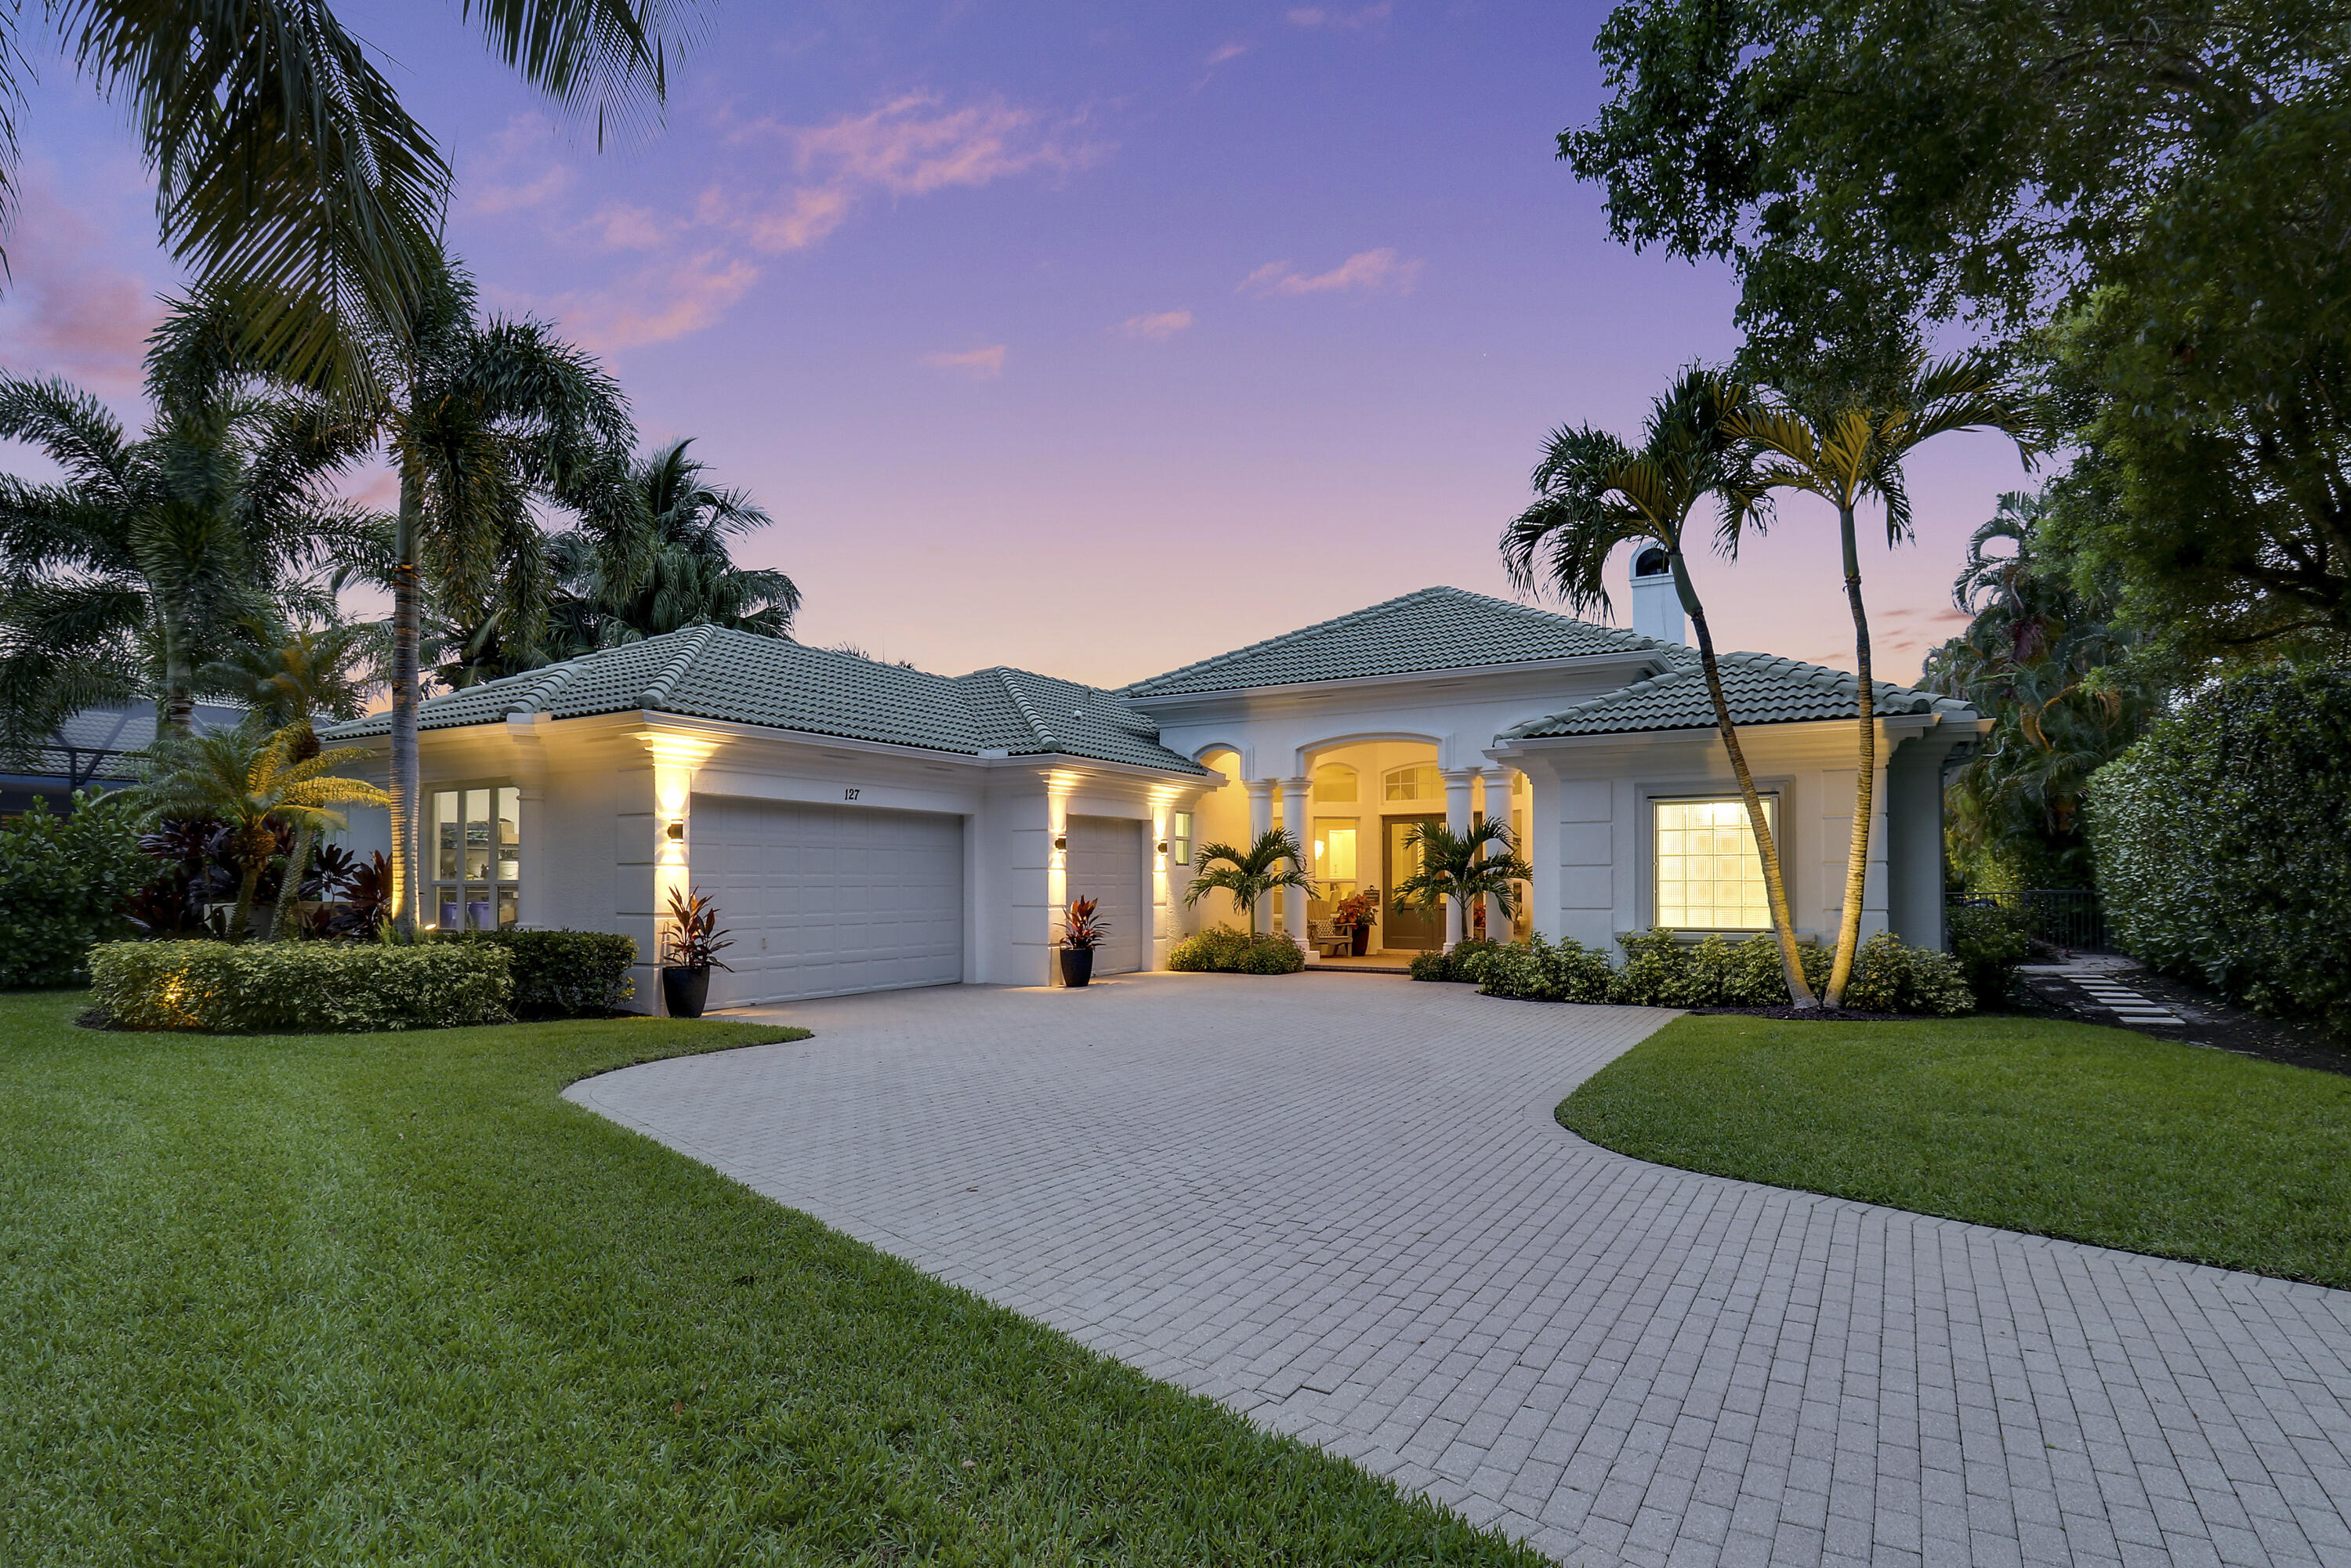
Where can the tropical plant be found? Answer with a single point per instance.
(1082, 927)
(250, 780)
(292, 183)
(674, 570)
(1222, 950)
(2041, 659)
(1359, 911)
(1846, 455)
(1479, 861)
(695, 938)
(1595, 494)
(1250, 875)
(127, 574)
(64, 882)
(482, 419)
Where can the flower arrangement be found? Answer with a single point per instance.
(1357, 911)
(1081, 927)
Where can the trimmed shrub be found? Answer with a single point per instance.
(1891, 977)
(2220, 847)
(1988, 942)
(1470, 955)
(1656, 973)
(63, 882)
(1222, 950)
(299, 987)
(1431, 966)
(563, 973)
(1545, 971)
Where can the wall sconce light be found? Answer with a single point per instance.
(1162, 843)
(677, 828)
(1060, 841)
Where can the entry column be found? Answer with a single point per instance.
(1456, 818)
(1296, 797)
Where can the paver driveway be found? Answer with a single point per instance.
(1340, 1203)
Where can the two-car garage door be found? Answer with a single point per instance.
(826, 900)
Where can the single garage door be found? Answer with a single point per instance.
(826, 900)
(1106, 863)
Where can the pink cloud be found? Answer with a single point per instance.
(1224, 52)
(64, 309)
(1157, 327)
(1378, 271)
(657, 305)
(979, 364)
(619, 227)
(1322, 17)
(519, 172)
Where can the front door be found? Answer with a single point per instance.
(1407, 925)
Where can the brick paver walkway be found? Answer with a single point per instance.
(1340, 1204)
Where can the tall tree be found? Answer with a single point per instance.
(2152, 198)
(290, 179)
(128, 574)
(482, 418)
(1846, 456)
(677, 569)
(1595, 493)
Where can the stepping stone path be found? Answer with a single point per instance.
(2128, 1005)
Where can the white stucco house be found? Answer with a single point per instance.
(863, 826)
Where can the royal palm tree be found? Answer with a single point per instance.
(127, 574)
(1271, 861)
(291, 181)
(677, 571)
(1846, 455)
(249, 780)
(482, 419)
(1595, 493)
(1460, 867)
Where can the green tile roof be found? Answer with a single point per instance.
(707, 671)
(1762, 689)
(1432, 629)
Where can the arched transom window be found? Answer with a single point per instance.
(1419, 782)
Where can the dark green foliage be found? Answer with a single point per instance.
(1225, 950)
(1541, 970)
(1988, 942)
(1431, 966)
(1661, 970)
(1466, 964)
(339, 988)
(563, 973)
(2223, 851)
(63, 884)
(2057, 1129)
(1891, 977)
(388, 1298)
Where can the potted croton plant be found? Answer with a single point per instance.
(1081, 932)
(1354, 914)
(689, 952)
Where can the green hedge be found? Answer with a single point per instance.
(1660, 970)
(1990, 943)
(563, 973)
(63, 880)
(1227, 951)
(2223, 851)
(1464, 965)
(299, 987)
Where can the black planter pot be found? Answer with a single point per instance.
(1359, 939)
(1077, 966)
(685, 990)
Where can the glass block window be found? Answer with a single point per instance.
(475, 838)
(1179, 837)
(1710, 875)
(1420, 783)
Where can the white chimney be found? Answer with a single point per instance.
(1656, 605)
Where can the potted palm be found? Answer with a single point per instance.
(689, 952)
(1354, 916)
(1081, 932)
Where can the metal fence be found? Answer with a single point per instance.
(2066, 917)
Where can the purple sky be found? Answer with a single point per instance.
(1061, 335)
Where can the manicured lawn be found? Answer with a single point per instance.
(359, 1300)
(2059, 1129)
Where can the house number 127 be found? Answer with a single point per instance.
(849, 794)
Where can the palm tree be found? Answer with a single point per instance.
(1457, 866)
(249, 779)
(482, 419)
(1250, 875)
(1596, 492)
(130, 572)
(678, 570)
(292, 183)
(1846, 455)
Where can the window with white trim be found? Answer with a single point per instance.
(1419, 782)
(1709, 875)
(474, 839)
(1179, 837)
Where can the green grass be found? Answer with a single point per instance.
(2059, 1129)
(339, 1299)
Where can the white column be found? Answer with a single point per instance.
(1296, 815)
(1260, 804)
(1456, 818)
(1494, 801)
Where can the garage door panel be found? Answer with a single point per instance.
(825, 899)
(1104, 863)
